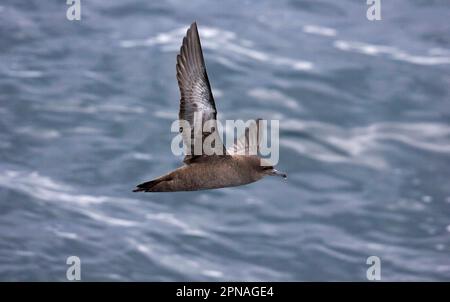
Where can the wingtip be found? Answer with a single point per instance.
(193, 28)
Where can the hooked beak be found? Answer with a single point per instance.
(275, 172)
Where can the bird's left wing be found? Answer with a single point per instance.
(196, 96)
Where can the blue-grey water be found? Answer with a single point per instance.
(364, 108)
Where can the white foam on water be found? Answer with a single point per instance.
(25, 74)
(273, 96)
(171, 219)
(212, 273)
(46, 134)
(320, 30)
(391, 52)
(227, 47)
(362, 144)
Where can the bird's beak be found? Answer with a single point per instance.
(275, 172)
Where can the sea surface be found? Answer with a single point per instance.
(364, 109)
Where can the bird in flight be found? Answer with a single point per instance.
(228, 168)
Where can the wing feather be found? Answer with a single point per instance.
(195, 89)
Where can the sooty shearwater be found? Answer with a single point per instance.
(201, 172)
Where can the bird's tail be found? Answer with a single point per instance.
(147, 186)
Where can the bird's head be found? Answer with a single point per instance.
(267, 169)
(270, 170)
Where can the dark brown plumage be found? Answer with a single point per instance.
(202, 172)
(195, 89)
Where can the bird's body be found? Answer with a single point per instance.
(201, 171)
(210, 172)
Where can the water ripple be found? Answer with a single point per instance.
(390, 52)
(226, 45)
(363, 144)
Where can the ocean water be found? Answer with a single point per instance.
(364, 109)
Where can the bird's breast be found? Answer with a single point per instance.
(210, 175)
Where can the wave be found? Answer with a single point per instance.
(228, 47)
(391, 52)
(362, 144)
(25, 74)
(273, 96)
(45, 188)
(319, 30)
(436, 56)
(170, 219)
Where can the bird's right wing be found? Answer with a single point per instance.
(249, 142)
